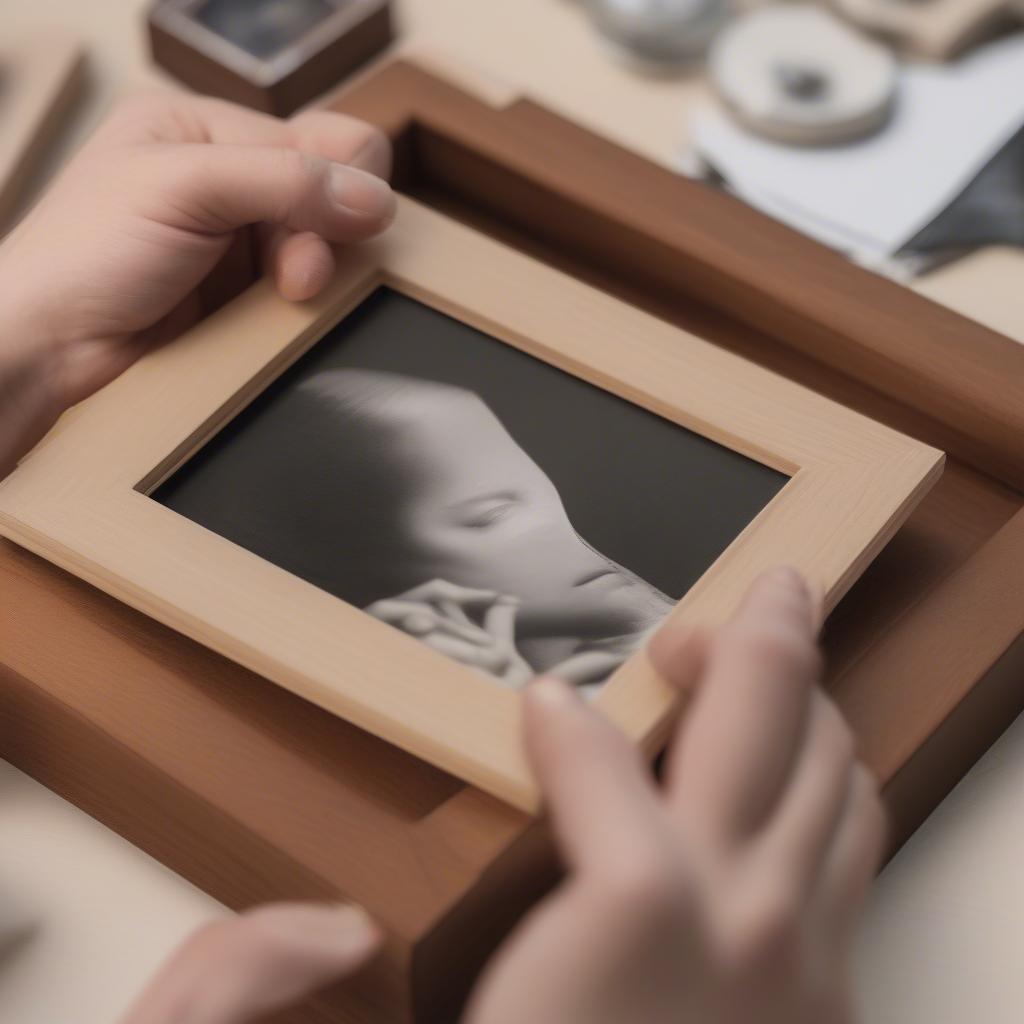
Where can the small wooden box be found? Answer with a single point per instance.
(254, 794)
(276, 60)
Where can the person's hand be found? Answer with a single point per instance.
(474, 627)
(112, 260)
(478, 628)
(730, 893)
(244, 968)
(589, 669)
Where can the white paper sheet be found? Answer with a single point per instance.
(873, 196)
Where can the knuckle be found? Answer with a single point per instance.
(368, 146)
(299, 168)
(303, 178)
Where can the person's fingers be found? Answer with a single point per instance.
(343, 139)
(501, 625)
(91, 365)
(809, 814)
(409, 616)
(301, 266)
(603, 805)
(678, 653)
(854, 858)
(176, 117)
(738, 742)
(442, 590)
(216, 189)
(500, 622)
(301, 262)
(419, 619)
(247, 967)
(517, 672)
(453, 610)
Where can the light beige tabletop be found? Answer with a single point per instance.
(84, 916)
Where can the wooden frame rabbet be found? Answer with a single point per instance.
(81, 498)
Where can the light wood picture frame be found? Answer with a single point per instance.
(81, 498)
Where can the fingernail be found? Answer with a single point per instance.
(553, 692)
(361, 192)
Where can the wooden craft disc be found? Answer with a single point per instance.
(797, 74)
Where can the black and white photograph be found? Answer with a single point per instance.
(507, 514)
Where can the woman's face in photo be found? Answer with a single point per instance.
(481, 513)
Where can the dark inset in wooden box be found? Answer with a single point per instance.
(270, 55)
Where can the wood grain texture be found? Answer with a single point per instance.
(76, 499)
(690, 245)
(39, 80)
(250, 792)
(111, 709)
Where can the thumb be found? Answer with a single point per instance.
(218, 188)
(245, 967)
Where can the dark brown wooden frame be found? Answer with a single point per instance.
(282, 83)
(253, 794)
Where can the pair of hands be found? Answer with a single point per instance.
(478, 628)
(113, 261)
(727, 894)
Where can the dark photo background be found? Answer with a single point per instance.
(659, 499)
